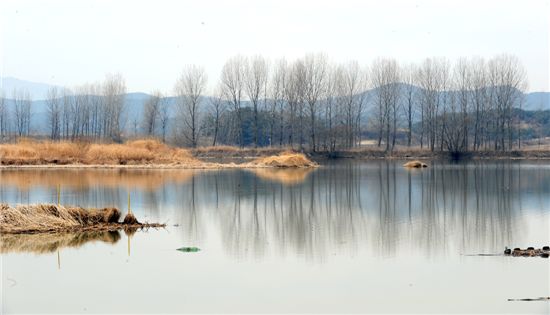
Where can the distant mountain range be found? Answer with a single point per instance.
(134, 101)
(38, 91)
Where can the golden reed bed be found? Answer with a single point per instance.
(145, 153)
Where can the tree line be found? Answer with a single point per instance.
(309, 103)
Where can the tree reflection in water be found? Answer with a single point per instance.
(378, 207)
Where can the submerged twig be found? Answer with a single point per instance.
(544, 298)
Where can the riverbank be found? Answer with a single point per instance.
(137, 154)
(424, 154)
(240, 155)
(152, 154)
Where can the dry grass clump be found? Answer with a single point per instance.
(130, 219)
(51, 242)
(30, 152)
(285, 159)
(52, 218)
(117, 154)
(415, 164)
(16, 152)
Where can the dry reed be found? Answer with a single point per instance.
(145, 151)
(138, 153)
(41, 218)
(285, 159)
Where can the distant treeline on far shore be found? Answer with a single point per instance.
(310, 103)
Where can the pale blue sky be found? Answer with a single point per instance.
(72, 42)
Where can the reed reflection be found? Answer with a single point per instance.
(91, 187)
(53, 242)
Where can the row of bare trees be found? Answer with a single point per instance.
(17, 120)
(305, 102)
(314, 104)
(92, 111)
(308, 103)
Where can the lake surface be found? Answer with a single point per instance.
(348, 237)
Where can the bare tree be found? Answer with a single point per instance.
(461, 86)
(151, 113)
(255, 80)
(454, 130)
(22, 112)
(232, 81)
(277, 99)
(189, 89)
(164, 115)
(294, 95)
(96, 105)
(352, 85)
(315, 87)
(53, 103)
(217, 108)
(508, 81)
(409, 96)
(66, 112)
(4, 116)
(334, 92)
(114, 90)
(480, 100)
(432, 78)
(386, 83)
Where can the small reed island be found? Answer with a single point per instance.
(49, 218)
(543, 252)
(415, 164)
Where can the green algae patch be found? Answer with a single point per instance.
(189, 249)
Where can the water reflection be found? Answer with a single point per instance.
(283, 175)
(376, 207)
(50, 243)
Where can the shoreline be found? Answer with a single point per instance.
(152, 154)
(207, 166)
(226, 166)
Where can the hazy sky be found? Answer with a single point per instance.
(71, 42)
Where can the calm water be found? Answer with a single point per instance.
(367, 237)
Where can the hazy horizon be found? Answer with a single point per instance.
(69, 43)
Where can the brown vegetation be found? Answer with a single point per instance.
(146, 151)
(285, 159)
(41, 218)
(529, 252)
(142, 153)
(415, 164)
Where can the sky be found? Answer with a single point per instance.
(67, 42)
